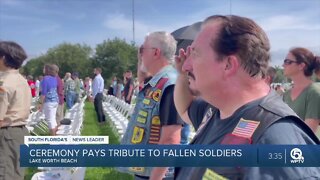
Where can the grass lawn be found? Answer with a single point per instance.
(30, 171)
(92, 128)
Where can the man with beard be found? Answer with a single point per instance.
(226, 66)
(155, 119)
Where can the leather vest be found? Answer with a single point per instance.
(144, 126)
(259, 118)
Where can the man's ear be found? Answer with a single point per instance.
(231, 64)
(157, 52)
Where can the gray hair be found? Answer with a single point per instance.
(165, 42)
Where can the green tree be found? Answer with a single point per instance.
(35, 66)
(279, 78)
(71, 58)
(68, 57)
(114, 57)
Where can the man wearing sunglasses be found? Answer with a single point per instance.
(155, 119)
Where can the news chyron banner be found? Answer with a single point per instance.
(94, 151)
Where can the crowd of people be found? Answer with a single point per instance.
(53, 92)
(124, 88)
(221, 83)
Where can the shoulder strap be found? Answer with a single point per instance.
(266, 124)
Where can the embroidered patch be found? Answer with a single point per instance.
(143, 113)
(148, 93)
(155, 130)
(155, 138)
(154, 134)
(156, 95)
(161, 83)
(155, 120)
(211, 175)
(136, 169)
(142, 120)
(245, 128)
(147, 90)
(146, 101)
(234, 139)
(137, 135)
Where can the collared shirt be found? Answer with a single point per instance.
(69, 86)
(15, 98)
(154, 80)
(97, 85)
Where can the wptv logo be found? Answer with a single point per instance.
(296, 155)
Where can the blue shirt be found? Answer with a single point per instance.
(97, 85)
(49, 89)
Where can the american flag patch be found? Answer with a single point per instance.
(245, 128)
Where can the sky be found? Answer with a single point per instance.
(42, 24)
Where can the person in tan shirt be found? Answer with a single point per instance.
(15, 102)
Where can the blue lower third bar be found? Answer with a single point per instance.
(169, 155)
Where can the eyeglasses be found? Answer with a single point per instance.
(289, 61)
(141, 49)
